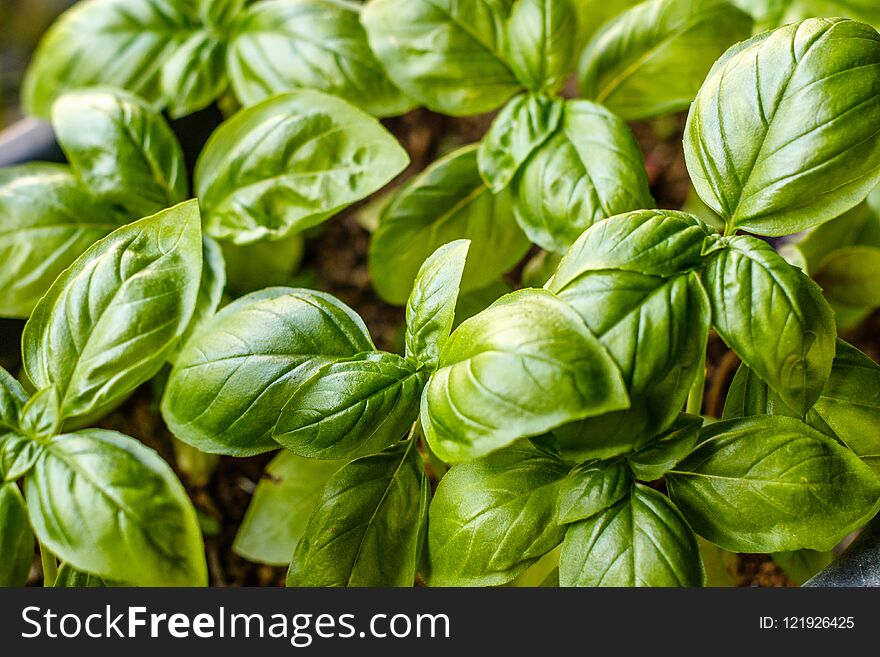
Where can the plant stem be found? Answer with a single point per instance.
(438, 467)
(695, 396)
(50, 566)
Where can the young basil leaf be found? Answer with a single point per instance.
(233, 377)
(494, 517)
(210, 288)
(16, 539)
(108, 505)
(47, 219)
(194, 76)
(592, 487)
(18, 455)
(70, 578)
(12, 400)
(365, 528)
(109, 322)
(122, 150)
(289, 163)
(280, 45)
(447, 55)
(523, 125)
(446, 202)
(351, 408)
(41, 416)
(664, 452)
(651, 242)
(589, 170)
(851, 276)
(643, 540)
(773, 484)
(118, 43)
(430, 310)
(783, 134)
(525, 365)
(279, 511)
(848, 409)
(773, 316)
(652, 59)
(540, 42)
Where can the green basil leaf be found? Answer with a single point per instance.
(252, 267)
(41, 416)
(861, 10)
(589, 170)
(523, 125)
(652, 242)
(290, 163)
(233, 377)
(774, 317)
(108, 322)
(210, 288)
(47, 219)
(194, 76)
(108, 505)
(70, 578)
(643, 540)
(17, 455)
(773, 484)
(446, 202)
(447, 55)
(100, 130)
(596, 13)
(12, 400)
(592, 487)
(848, 409)
(365, 528)
(16, 539)
(279, 511)
(493, 518)
(351, 408)
(476, 301)
(652, 59)
(783, 134)
(280, 45)
(430, 310)
(663, 453)
(851, 276)
(525, 365)
(117, 43)
(540, 42)
(802, 565)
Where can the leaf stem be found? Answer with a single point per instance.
(438, 467)
(694, 404)
(50, 566)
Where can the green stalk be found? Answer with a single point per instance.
(50, 566)
(695, 396)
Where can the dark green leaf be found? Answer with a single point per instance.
(783, 134)
(430, 310)
(652, 59)
(108, 505)
(118, 43)
(494, 517)
(446, 202)
(195, 75)
(351, 408)
(773, 484)
(235, 374)
(525, 365)
(279, 511)
(643, 540)
(663, 453)
(524, 124)
(280, 45)
(289, 163)
(16, 539)
(589, 170)
(365, 528)
(12, 400)
(47, 219)
(773, 316)
(447, 55)
(540, 43)
(593, 487)
(109, 322)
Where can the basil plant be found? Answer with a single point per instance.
(571, 412)
(101, 502)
